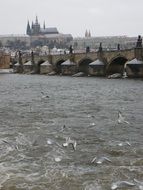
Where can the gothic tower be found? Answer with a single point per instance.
(86, 33)
(28, 30)
(44, 25)
(36, 27)
(89, 34)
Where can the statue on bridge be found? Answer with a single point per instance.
(118, 47)
(20, 57)
(100, 47)
(139, 42)
(87, 49)
(32, 57)
(71, 49)
(20, 62)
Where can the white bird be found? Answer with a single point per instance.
(124, 143)
(100, 160)
(121, 184)
(94, 159)
(69, 141)
(121, 119)
(44, 96)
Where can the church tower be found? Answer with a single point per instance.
(28, 30)
(86, 34)
(89, 34)
(36, 27)
(44, 25)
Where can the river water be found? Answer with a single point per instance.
(38, 113)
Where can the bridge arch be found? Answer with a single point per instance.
(58, 67)
(83, 65)
(116, 65)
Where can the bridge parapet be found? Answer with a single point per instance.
(77, 57)
(114, 60)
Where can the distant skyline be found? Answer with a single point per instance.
(101, 17)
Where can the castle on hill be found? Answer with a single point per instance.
(36, 29)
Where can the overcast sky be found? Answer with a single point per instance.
(101, 17)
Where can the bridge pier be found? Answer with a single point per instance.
(18, 67)
(97, 68)
(138, 53)
(134, 68)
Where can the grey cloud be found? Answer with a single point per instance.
(102, 17)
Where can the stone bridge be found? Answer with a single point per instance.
(114, 60)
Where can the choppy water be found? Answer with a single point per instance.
(33, 129)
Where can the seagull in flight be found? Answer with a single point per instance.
(100, 160)
(121, 119)
(44, 96)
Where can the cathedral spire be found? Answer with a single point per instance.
(44, 25)
(89, 34)
(86, 33)
(36, 22)
(32, 25)
(28, 30)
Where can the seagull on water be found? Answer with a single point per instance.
(121, 119)
(124, 143)
(69, 141)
